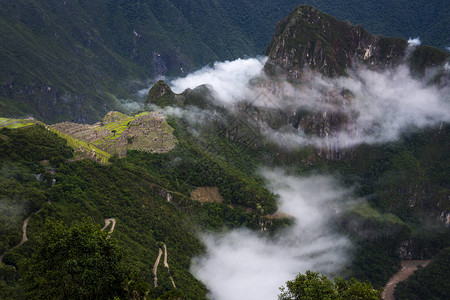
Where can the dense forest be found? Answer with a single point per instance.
(132, 227)
(430, 282)
(38, 180)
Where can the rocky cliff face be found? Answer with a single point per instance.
(309, 42)
(309, 38)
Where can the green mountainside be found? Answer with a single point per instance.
(76, 60)
(148, 194)
(157, 182)
(404, 180)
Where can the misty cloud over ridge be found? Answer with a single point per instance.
(241, 264)
(379, 105)
(382, 106)
(228, 79)
(414, 41)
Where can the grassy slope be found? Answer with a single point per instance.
(86, 189)
(130, 190)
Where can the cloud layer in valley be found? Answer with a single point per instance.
(382, 104)
(241, 264)
(379, 107)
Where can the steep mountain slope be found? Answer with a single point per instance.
(74, 191)
(309, 43)
(400, 176)
(303, 117)
(148, 194)
(158, 199)
(310, 38)
(74, 60)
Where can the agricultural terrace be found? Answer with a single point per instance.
(117, 133)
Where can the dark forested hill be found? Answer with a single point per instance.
(429, 20)
(74, 60)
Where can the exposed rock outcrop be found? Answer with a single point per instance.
(309, 42)
(312, 39)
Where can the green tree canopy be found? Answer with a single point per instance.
(81, 262)
(313, 285)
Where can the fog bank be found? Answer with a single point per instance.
(228, 79)
(241, 264)
(381, 105)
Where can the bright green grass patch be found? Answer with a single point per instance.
(19, 125)
(16, 123)
(145, 113)
(119, 127)
(118, 124)
(81, 145)
(366, 211)
(112, 137)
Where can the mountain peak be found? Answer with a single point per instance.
(320, 42)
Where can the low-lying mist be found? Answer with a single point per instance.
(380, 105)
(242, 264)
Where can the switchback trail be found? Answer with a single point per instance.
(155, 267)
(408, 268)
(24, 236)
(109, 221)
(166, 265)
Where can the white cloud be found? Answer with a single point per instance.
(447, 66)
(242, 264)
(130, 107)
(414, 41)
(384, 105)
(228, 79)
(194, 115)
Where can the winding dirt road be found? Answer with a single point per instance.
(165, 257)
(109, 221)
(166, 265)
(408, 268)
(24, 237)
(155, 267)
